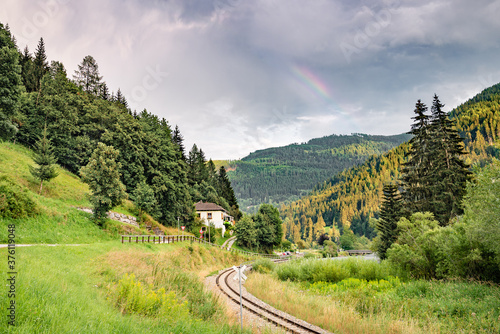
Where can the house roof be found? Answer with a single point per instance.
(200, 206)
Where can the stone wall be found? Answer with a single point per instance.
(116, 216)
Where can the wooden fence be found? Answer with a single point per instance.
(170, 239)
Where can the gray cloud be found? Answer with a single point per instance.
(240, 75)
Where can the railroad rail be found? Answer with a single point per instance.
(276, 317)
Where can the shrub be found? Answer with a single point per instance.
(134, 298)
(263, 266)
(321, 270)
(15, 202)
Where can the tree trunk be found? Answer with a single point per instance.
(41, 183)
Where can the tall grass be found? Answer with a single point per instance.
(65, 290)
(358, 296)
(324, 270)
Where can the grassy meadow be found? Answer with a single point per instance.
(80, 289)
(359, 296)
(98, 285)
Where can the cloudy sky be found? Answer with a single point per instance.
(241, 75)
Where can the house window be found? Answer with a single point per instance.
(209, 215)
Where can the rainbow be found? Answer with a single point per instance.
(311, 81)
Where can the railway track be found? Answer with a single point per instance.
(276, 317)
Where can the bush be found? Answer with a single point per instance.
(320, 270)
(263, 266)
(134, 298)
(15, 202)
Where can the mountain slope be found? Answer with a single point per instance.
(282, 174)
(351, 197)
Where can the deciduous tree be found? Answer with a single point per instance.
(103, 177)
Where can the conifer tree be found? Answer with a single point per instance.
(45, 159)
(120, 98)
(390, 213)
(417, 168)
(179, 142)
(10, 81)
(449, 173)
(40, 64)
(27, 71)
(87, 76)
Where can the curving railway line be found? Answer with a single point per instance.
(291, 324)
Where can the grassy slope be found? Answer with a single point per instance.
(58, 221)
(68, 289)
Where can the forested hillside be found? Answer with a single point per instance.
(350, 198)
(281, 174)
(80, 112)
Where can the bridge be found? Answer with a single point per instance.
(359, 252)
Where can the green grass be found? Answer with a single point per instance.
(367, 293)
(66, 187)
(322, 270)
(67, 289)
(57, 220)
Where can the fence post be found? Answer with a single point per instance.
(122, 239)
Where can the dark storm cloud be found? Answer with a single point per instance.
(239, 75)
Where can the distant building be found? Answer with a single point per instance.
(213, 213)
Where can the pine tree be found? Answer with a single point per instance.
(103, 177)
(27, 71)
(417, 168)
(40, 64)
(104, 93)
(120, 99)
(45, 159)
(390, 213)
(10, 81)
(449, 173)
(87, 76)
(179, 142)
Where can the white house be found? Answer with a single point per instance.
(213, 213)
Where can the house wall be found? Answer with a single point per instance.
(217, 219)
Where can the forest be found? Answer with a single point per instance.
(42, 108)
(349, 199)
(282, 174)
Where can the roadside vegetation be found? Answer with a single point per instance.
(362, 296)
(110, 288)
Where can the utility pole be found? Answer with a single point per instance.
(178, 225)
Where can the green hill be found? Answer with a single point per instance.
(282, 174)
(79, 286)
(351, 197)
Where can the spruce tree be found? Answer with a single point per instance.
(449, 173)
(40, 64)
(45, 159)
(27, 71)
(390, 213)
(10, 84)
(417, 168)
(179, 142)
